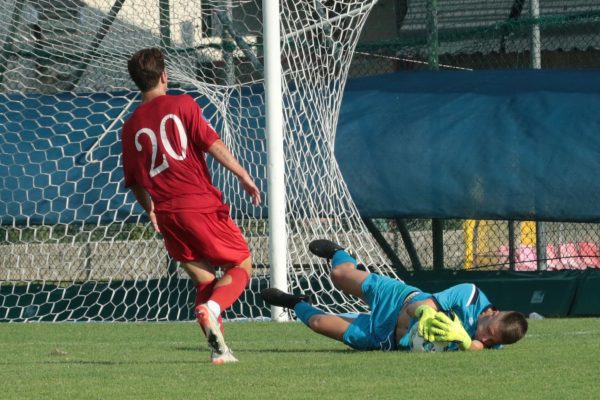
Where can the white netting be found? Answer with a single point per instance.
(73, 245)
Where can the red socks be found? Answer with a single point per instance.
(224, 295)
(204, 291)
(228, 293)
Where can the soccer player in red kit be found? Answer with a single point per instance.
(164, 146)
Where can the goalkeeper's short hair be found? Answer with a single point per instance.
(514, 326)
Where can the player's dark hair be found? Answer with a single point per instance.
(514, 327)
(145, 67)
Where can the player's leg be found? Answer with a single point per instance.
(204, 241)
(186, 237)
(203, 276)
(348, 279)
(224, 245)
(330, 325)
(179, 237)
(344, 274)
(231, 285)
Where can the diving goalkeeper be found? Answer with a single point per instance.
(395, 307)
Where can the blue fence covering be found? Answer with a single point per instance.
(483, 145)
(45, 177)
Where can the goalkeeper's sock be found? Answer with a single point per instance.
(304, 311)
(341, 257)
(235, 281)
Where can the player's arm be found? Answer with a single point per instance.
(425, 311)
(476, 345)
(143, 197)
(412, 307)
(221, 153)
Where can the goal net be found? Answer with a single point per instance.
(73, 243)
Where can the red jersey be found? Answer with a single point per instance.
(164, 146)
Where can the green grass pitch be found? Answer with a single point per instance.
(557, 360)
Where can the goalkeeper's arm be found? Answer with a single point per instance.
(425, 312)
(411, 309)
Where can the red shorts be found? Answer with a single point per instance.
(210, 237)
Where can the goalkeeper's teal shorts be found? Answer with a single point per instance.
(376, 331)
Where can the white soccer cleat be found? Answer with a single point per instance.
(210, 325)
(226, 357)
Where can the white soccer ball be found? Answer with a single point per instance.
(419, 345)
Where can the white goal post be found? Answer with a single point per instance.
(275, 156)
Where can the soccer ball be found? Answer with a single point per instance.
(419, 345)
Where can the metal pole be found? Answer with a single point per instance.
(536, 45)
(225, 19)
(227, 43)
(540, 245)
(387, 249)
(164, 15)
(10, 37)
(275, 157)
(511, 245)
(536, 63)
(409, 244)
(437, 230)
(92, 50)
(432, 34)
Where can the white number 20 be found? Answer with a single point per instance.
(157, 169)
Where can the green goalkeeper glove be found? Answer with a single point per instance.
(450, 330)
(426, 315)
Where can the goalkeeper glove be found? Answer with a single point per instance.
(450, 330)
(426, 315)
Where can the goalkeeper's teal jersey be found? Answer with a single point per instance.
(466, 300)
(386, 297)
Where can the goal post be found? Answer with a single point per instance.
(275, 157)
(73, 243)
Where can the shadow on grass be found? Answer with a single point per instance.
(111, 363)
(275, 350)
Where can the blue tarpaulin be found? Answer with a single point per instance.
(482, 145)
(45, 175)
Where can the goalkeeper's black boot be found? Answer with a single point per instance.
(276, 297)
(325, 248)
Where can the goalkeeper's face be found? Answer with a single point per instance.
(489, 330)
